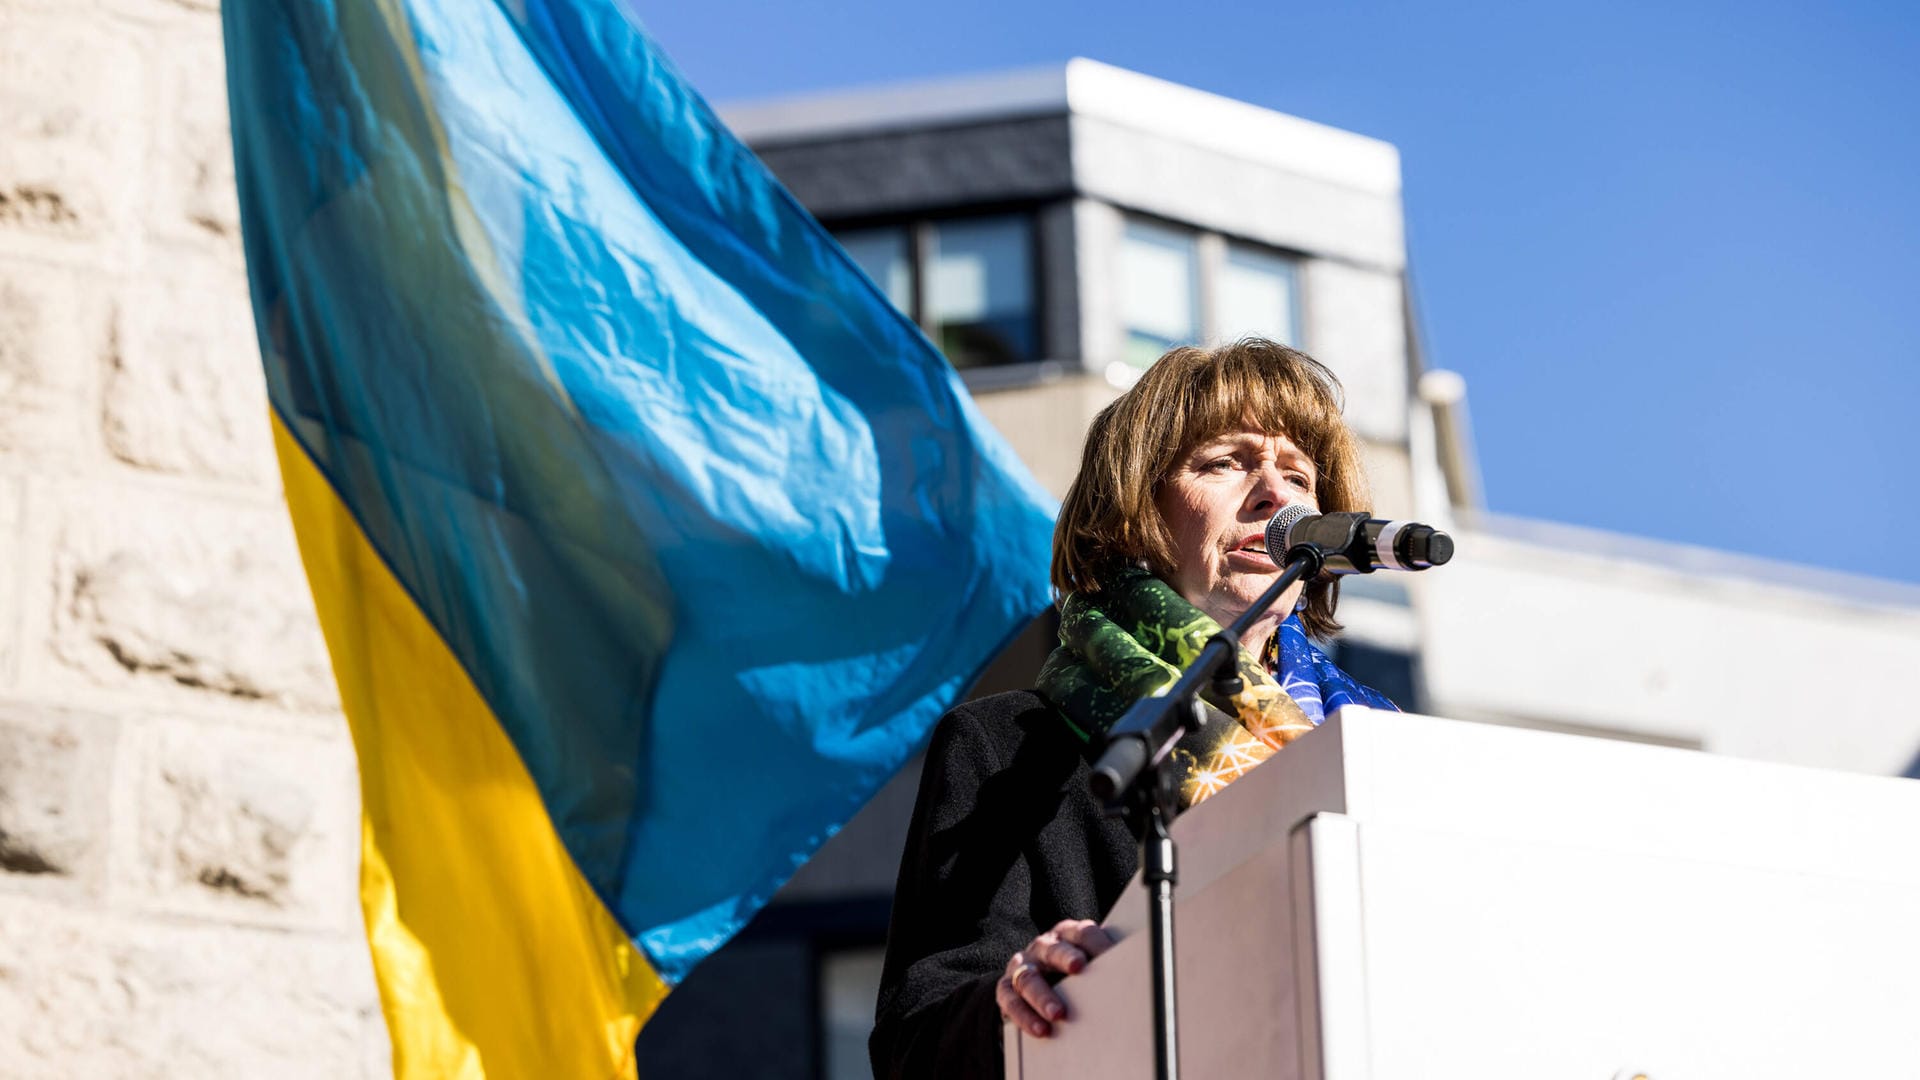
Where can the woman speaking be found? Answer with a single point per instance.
(1010, 860)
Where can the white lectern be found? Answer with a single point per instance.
(1404, 898)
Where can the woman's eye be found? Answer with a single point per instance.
(1218, 465)
(1300, 481)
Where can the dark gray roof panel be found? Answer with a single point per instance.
(917, 171)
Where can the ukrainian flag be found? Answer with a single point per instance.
(646, 537)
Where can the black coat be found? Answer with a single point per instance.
(1006, 841)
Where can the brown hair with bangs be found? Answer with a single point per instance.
(1190, 395)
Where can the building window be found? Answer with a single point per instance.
(980, 291)
(968, 282)
(1254, 296)
(884, 255)
(1159, 290)
(1180, 287)
(849, 985)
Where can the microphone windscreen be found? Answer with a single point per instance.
(1282, 524)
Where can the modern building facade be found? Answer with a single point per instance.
(1054, 231)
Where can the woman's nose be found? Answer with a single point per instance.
(1270, 491)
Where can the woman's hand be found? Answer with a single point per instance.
(1025, 995)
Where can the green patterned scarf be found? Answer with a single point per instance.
(1133, 643)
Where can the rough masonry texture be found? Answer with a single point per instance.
(178, 808)
(54, 771)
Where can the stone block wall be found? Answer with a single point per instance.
(178, 812)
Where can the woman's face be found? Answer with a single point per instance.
(1217, 503)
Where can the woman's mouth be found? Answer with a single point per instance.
(1251, 554)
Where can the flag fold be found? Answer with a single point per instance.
(647, 538)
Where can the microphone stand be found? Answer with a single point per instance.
(1133, 778)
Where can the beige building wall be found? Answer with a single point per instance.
(178, 813)
(1570, 629)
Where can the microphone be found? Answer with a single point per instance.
(1353, 543)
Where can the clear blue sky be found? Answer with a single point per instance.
(1675, 248)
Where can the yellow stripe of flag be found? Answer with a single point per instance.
(494, 956)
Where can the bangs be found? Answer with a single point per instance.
(1253, 388)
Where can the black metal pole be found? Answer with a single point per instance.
(1132, 775)
(1160, 872)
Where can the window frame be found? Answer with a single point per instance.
(1211, 249)
(919, 228)
(1198, 292)
(1295, 264)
